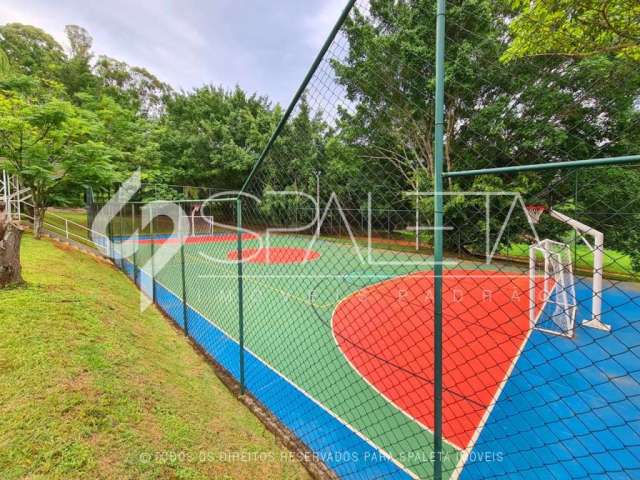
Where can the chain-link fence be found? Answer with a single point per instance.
(411, 305)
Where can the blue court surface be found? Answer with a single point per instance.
(562, 413)
(569, 403)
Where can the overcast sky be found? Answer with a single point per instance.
(265, 46)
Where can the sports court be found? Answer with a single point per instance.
(350, 345)
(450, 287)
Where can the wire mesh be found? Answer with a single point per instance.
(314, 286)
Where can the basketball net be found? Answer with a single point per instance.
(535, 212)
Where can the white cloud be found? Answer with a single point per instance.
(320, 22)
(264, 46)
(13, 14)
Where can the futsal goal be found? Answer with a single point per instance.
(552, 295)
(553, 304)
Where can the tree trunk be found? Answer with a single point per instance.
(10, 273)
(38, 217)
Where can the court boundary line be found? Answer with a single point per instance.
(464, 451)
(346, 424)
(391, 402)
(462, 462)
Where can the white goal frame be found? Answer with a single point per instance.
(596, 246)
(558, 287)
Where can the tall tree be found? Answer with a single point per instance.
(76, 72)
(134, 87)
(5, 65)
(213, 136)
(529, 110)
(52, 145)
(31, 50)
(10, 232)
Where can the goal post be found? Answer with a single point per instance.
(552, 302)
(596, 246)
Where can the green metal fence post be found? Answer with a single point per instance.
(135, 247)
(575, 203)
(240, 293)
(438, 237)
(110, 235)
(153, 251)
(122, 231)
(185, 309)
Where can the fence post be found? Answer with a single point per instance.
(19, 200)
(185, 309)
(438, 237)
(135, 247)
(122, 232)
(110, 235)
(388, 224)
(240, 292)
(66, 228)
(153, 251)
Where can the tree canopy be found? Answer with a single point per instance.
(526, 82)
(576, 28)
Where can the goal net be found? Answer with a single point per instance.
(552, 288)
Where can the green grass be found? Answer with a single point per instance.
(615, 262)
(76, 215)
(92, 388)
(55, 222)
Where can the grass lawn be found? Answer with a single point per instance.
(92, 388)
(75, 215)
(77, 219)
(614, 262)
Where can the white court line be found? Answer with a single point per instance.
(485, 418)
(395, 405)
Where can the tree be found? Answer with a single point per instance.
(5, 65)
(212, 136)
(10, 238)
(30, 50)
(10, 233)
(134, 87)
(525, 111)
(575, 28)
(51, 145)
(596, 45)
(76, 71)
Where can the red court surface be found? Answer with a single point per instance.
(386, 333)
(275, 255)
(199, 239)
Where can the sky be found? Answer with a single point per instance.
(265, 46)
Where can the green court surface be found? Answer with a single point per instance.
(288, 311)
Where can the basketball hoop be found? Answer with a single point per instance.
(535, 212)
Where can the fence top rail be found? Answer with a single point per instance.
(151, 202)
(69, 223)
(593, 162)
(299, 93)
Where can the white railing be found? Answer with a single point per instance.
(16, 199)
(67, 230)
